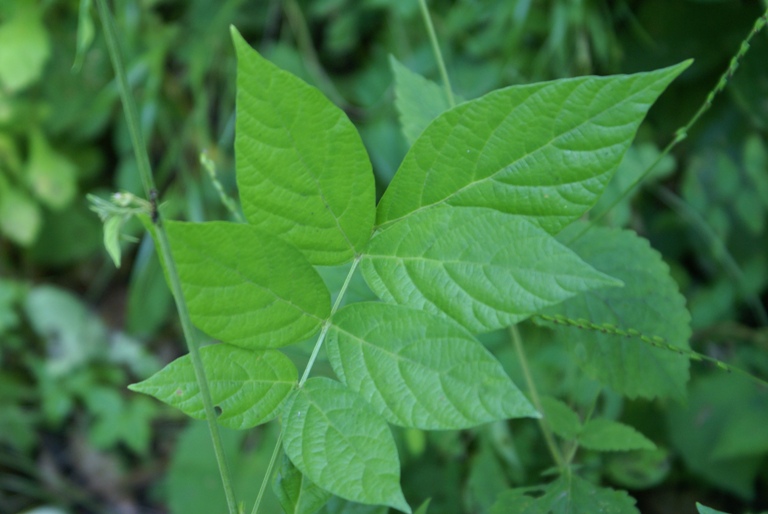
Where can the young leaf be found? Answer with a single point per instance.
(611, 436)
(568, 495)
(302, 170)
(649, 303)
(296, 493)
(545, 150)
(481, 267)
(561, 418)
(246, 287)
(418, 100)
(248, 386)
(420, 370)
(334, 437)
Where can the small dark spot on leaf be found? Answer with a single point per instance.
(217, 410)
(179, 392)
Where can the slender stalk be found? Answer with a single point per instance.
(164, 247)
(438, 54)
(543, 423)
(307, 370)
(682, 132)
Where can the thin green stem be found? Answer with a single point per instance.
(307, 370)
(270, 467)
(682, 132)
(164, 247)
(438, 54)
(549, 438)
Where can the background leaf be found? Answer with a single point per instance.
(481, 267)
(418, 100)
(246, 287)
(544, 150)
(561, 418)
(334, 437)
(248, 386)
(419, 370)
(608, 436)
(302, 170)
(649, 302)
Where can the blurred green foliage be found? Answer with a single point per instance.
(74, 331)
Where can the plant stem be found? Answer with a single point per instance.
(164, 247)
(549, 438)
(305, 376)
(438, 54)
(682, 132)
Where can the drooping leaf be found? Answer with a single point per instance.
(418, 100)
(481, 267)
(302, 170)
(561, 418)
(610, 436)
(247, 386)
(544, 150)
(567, 495)
(246, 287)
(296, 493)
(419, 370)
(336, 439)
(649, 303)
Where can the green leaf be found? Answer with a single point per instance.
(483, 268)
(606, 435)
(419, 370)
(561, 418)
(649, 303)
(246, 287)
(302, 170)
(20, 217)
(544, 150)
(247, 386)
(112, 226)
(708, 510)
(52, 177)
(418, 100)
(296, 493)
(334, 437)
(567, 495)
(24, 46)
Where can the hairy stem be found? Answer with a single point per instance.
(164, 247)
(438, 54)
(549, 438)
(307, 370)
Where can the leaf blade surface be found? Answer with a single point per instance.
(334, 437)
(248, 386)
(419, 370)
(483, 268)
(545, 151)
(302, 170)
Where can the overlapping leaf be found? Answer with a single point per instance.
(297, 494)
(544, 150)
(248, 386)
(420, 370)
(334, 437)
(302, 170)
(246, 287)
(649, 303)
(611, 436)
(481, 267)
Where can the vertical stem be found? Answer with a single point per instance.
(438, 54)
(164, 247)
(543, 423)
